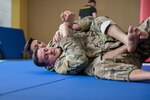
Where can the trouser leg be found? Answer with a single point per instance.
(108, 69)
(118, 67)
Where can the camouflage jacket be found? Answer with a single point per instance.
(83, 46)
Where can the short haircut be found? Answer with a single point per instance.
(36, 60)
(27, 47)
(90, 1)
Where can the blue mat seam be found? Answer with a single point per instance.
(23, 89)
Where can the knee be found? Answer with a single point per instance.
(148, 18)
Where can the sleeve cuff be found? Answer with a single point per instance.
(105, 25)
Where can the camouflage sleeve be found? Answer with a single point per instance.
(101, 23)
(52, 44)
(85, 22)
(73, 59)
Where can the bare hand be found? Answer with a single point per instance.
(68, 17)
(57, 36)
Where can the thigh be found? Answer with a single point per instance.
(117, 68)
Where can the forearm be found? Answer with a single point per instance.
(115, 52)
(83, 24)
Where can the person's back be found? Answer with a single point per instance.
(88, 10)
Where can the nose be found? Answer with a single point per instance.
(49, 52)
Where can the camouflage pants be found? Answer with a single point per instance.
(120, 66)
(116, 68)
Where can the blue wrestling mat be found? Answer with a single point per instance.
(22, 80)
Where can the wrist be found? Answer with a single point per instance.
(69, 24)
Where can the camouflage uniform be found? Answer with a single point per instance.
(94, 44)
(120, 66)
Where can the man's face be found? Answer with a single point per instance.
(48, 55)
(37, 44)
